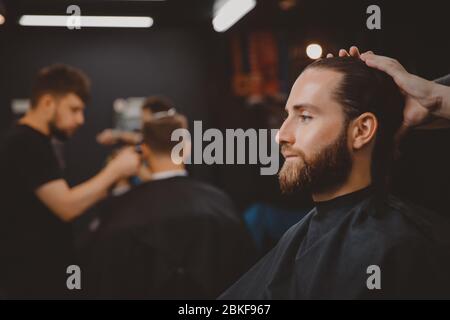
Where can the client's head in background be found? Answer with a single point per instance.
(340, 129)
(157, 143)
(155, 104)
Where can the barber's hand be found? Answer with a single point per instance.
(107, 137)
(353, 52)
(418, 92)
(420, 98)
(126, 163)
(412, 86)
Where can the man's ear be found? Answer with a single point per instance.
(48, 103)
(364, 130)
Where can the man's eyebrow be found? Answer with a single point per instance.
(305, 106)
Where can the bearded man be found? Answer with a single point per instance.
(358, 242)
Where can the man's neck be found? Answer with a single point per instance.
(355, 181)
(163, 164)
(34, 121)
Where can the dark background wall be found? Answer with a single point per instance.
(190, 63)
(175, 63)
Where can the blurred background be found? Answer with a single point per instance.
(234, 78)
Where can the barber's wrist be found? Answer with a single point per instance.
(112, 173)
(116, 135)
(438, 92)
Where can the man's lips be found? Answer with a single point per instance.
(290, 155)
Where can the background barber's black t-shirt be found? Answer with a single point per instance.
(35, 245)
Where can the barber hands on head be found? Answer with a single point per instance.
(427, 102)
(110, 137)
(68, 203)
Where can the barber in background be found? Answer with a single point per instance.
(37, 203)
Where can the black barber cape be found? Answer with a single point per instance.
(167, 239)
(350, 246)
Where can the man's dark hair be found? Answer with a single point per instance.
(157, 104)
(157, 132)
(364, 89)
(59, 80)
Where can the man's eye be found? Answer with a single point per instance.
(305, 118)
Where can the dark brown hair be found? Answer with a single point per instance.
(364, 89)
(158, 132)
(59, 80)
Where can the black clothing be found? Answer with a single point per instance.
(327, 254)
(35, 245)
(167, 239)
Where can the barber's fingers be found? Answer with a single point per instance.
(354, 52)
(393, 68)
(385, 64)
(127, 162)
(106, 137)
(410, 84)
(343, 53)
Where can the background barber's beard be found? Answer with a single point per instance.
(56, 132)
(327, 169)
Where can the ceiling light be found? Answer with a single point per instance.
(87, 21)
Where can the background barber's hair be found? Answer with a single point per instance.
(157, 132)
(59, 80)
(364, 89)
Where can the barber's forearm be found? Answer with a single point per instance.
(130, 137)
(85, 195)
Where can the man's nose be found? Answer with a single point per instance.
(80, 120)
(286, 134)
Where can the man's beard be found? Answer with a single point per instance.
(58, 133)
(328, 168)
